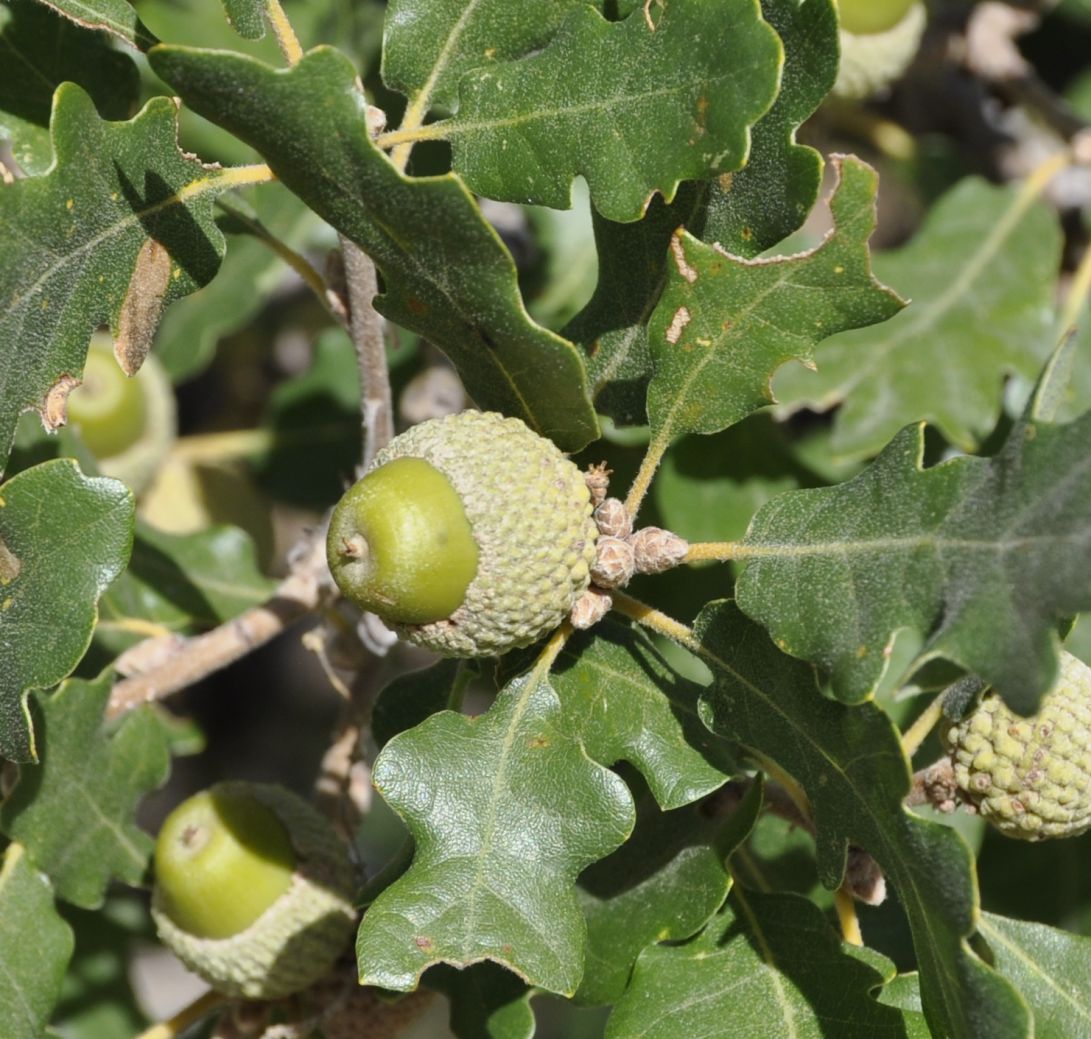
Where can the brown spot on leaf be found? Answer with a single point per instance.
(680, 261)
(54, 407)
(142, 306)
(678, 323)
(424, 943)
(9, 564)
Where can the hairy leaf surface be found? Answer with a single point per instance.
(446, 273)
(505, 810)
(35, 947)
(640, 109)
(724, 324)
(850, 764)
(767, 965)
(63, 538)
(981, 275)
(75, 810)
(981, 556)
(116, 17)
(75, 239)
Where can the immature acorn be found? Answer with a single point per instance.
(1029, 777)
(879, 38)
(470, 535)
(253, 890)
(128, 424)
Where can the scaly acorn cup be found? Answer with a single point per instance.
(1029, 777)
(128, 424)
(470, 535)
(253, 890)
(879, 38)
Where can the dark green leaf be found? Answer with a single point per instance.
(981, 274)
(120, 198)
(63, 538)
(429, 44)
(625, 702)
(980, 556)
(663, 884)
(75, 809)
(768, 965)
(633, 110)
(724, 325)
(181, 583)
(113, 16)
(446, 273)
(850, 764)
(38, 52)
(770, 197)
(410, 698)
(35, 947)
(247, 17)
(1051, 968)
(487, 1002)
(505, 809)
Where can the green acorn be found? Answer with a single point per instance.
(1029, 777)
(879, 38)
(469, 535)
(128, 424)
(253, 890)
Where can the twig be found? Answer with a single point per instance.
(918, 732)
(720, 551)
(935, 786)
(366, 328)
(1078, 291)
(285, 34)
(196, 658)
(845, 905)
(643, 479)
(185, 1017)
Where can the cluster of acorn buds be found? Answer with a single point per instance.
(620, 552)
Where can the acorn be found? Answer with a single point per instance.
(1029, 777)
(470, 535)
(253, 890)
(128, 423)
(879, 39)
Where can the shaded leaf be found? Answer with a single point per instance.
(639, 112)
(849, 762)
(487, 1002)
(429, 44)
(767, 965)
(72, 239)
(75, 809)
(35, 947)
(904, 993)
(625, 702)
(411, 697)
(981, 274)
(116, 17)
(446, 273)
(181, 583)
(505, 810)
(38, 52)
(724, 324)
(63, 538)
(1050, 967)
(770, 197)
(663, 884)
(980, 556)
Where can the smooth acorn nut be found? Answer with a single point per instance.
(1029, 777)
(253, 890)
(128, 424)
(469, 535)
(878, 42)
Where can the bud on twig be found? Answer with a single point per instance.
(613, 566)
(598, 480)
(590, 608)
(613, 518)
(656, 550)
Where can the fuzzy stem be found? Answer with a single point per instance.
(643, 479)
(1078, 291)
(918, 732)
(224, 446)
(720, 551)
(282, 29)
(845, 905)
(185, 1017)
(366, 328)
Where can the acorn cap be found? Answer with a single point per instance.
(1029, 777)
(529, 512)
(299, 937)
(870, 62)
